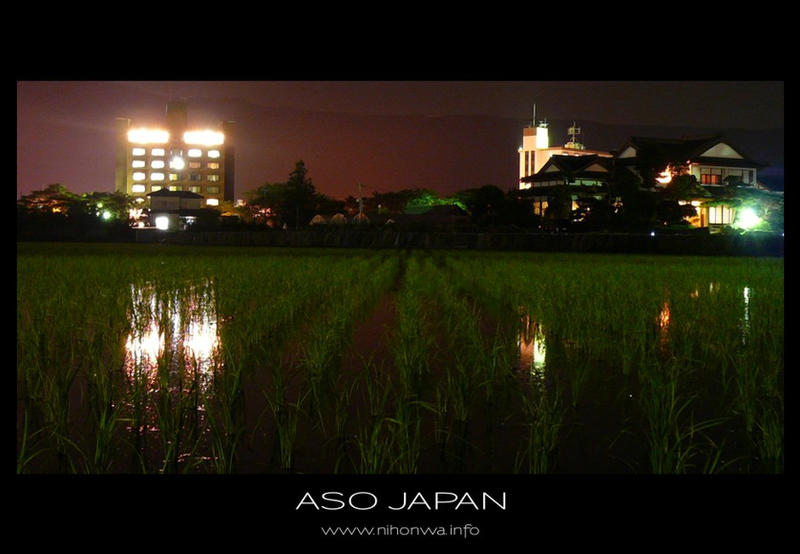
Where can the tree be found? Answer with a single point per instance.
(291, 203)
(559, 204)
(592, 213)
(326, 205)
(396, 202)
(484, 203)
(85, 208)
(670, 212)
(300, 195)
(54, 198)
(107, 205)
(684, 187)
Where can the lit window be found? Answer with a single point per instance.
(195, 165)
(720, 215)
(213, 177)
(195, 152)
(212, 202)
(157, 152)
(138, 151)
(708, 179)
(213, 154)
(137, 163)
(139, 176)
(157, 164)
(175, 188)
(155, 188)
(162, 222)
(173, 176)
(137, 188)
(213, 165)
(157, 176)
(177, 163)
(195, 189)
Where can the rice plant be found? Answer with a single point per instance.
(113, 360)
(286, 412)
(544, 419)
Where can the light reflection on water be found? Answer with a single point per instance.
(171, 357)
(663, 321)
(744, 322)
(181, 323)
(746, 315)
(532, 347)
(532, 342)
(176, 329)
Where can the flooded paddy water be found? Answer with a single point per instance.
(158, 359)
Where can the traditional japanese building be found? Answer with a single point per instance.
(713, 161)
(572, 172)
(584, 176)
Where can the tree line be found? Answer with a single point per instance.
(622, 204)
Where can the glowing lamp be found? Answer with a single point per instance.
(204, 137)
(147, 136)
(177, 163)
(747, 219)
(665, 176)
(162, 222)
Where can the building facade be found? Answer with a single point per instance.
(712, 161)
(653, 162)
(176, 157)
(583, 176)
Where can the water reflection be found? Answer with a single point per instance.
(744, 322)
(532, 347)
(663, 321)
(746, 315)
(177, 329)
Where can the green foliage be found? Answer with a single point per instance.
(57, 198)
(684, 187)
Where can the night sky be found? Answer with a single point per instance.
(388, 135)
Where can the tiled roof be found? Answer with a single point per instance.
(572, 167)
(664, 150)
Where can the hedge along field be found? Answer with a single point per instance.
(179, 359)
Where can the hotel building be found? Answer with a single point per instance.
(175, 157)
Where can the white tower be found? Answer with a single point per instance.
(534, 139)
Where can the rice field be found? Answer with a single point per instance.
(164, 359)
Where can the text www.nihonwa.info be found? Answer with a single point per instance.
(467, 530)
